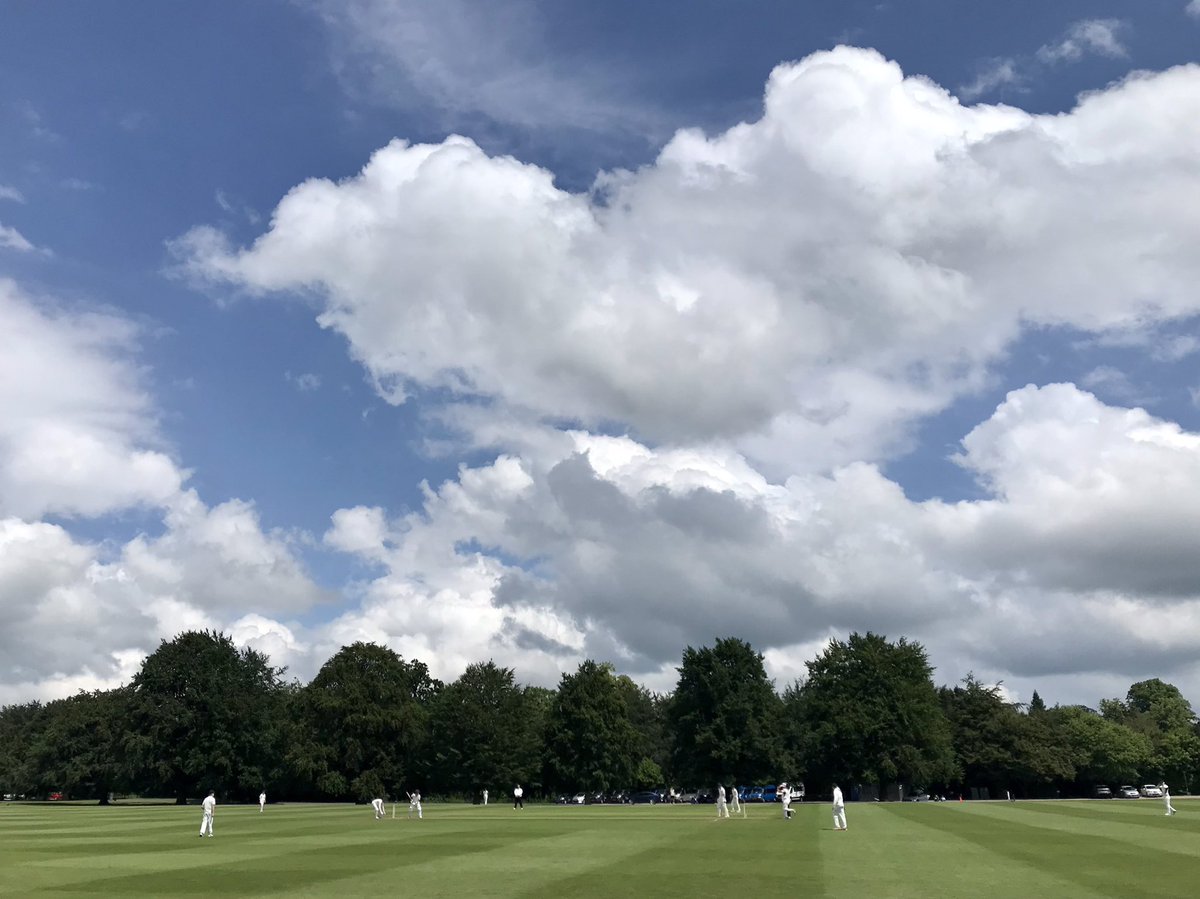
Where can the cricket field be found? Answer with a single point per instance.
(1020, 850)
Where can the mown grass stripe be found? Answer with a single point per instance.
(1072, 850)
(934, 851)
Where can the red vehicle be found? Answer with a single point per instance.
(55, 797)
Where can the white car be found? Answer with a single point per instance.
(578, 799)
(1150, 791)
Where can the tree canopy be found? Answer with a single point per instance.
(203, 714)
(364, 723)
(724, 714)
(871, 714)
(591, 743)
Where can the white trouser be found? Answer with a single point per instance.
(1167, 803)
(414, 807)
(787, 809)
(839, 817)
(722, 809)
(206, 824)
(737, 805)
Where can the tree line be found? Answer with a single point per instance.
(203, 714)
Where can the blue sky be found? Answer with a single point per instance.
(234, 362)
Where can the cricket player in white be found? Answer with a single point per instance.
(785, 799)
(1166, 791)
(262, 801)
(414, 803)
(377, 804)
(210, 808)
(737, 804)
(839, 809)
(722, 808)
(485, 797)
(518, 797)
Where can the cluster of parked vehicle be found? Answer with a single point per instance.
(651, 797)
(767, 793)
(1148, 791)
(623, 797)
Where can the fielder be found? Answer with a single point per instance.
(1167, 799)
(785, 799)
(210, 808)
(262, 801)
(722, 808)
(737, 803)
(518, 797)
(414, 803)
(485, 797)
(839, 809)
(377, 804)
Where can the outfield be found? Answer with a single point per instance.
(1029, 849)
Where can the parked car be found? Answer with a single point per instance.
(56, 796)
(703, 797)
(769, 794)
(755, 794)
(1102, 792)
(1151, 791)
(1128, 792)
(644, 797)
(917, 796)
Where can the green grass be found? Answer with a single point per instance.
(1026, 850)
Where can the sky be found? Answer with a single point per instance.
(543, 331)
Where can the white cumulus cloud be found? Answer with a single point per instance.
(820, 278)
(1099, 36)
(79, 438)
(79, 434)
(1076, 567)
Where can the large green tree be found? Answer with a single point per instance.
(482, 734)
(1159, 711)
(1102, 751)
(538, 703)
(590, 742)
(364, 724)
(724, 716)
(79, 748)
(647, 714)
(871, 714)
(203, 715)
(19, 726)
(998, 747)
(984, 730)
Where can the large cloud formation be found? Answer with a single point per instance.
(691, 375)
(767, 312)
(1082, 561)
(818, 278)
(79, 439)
